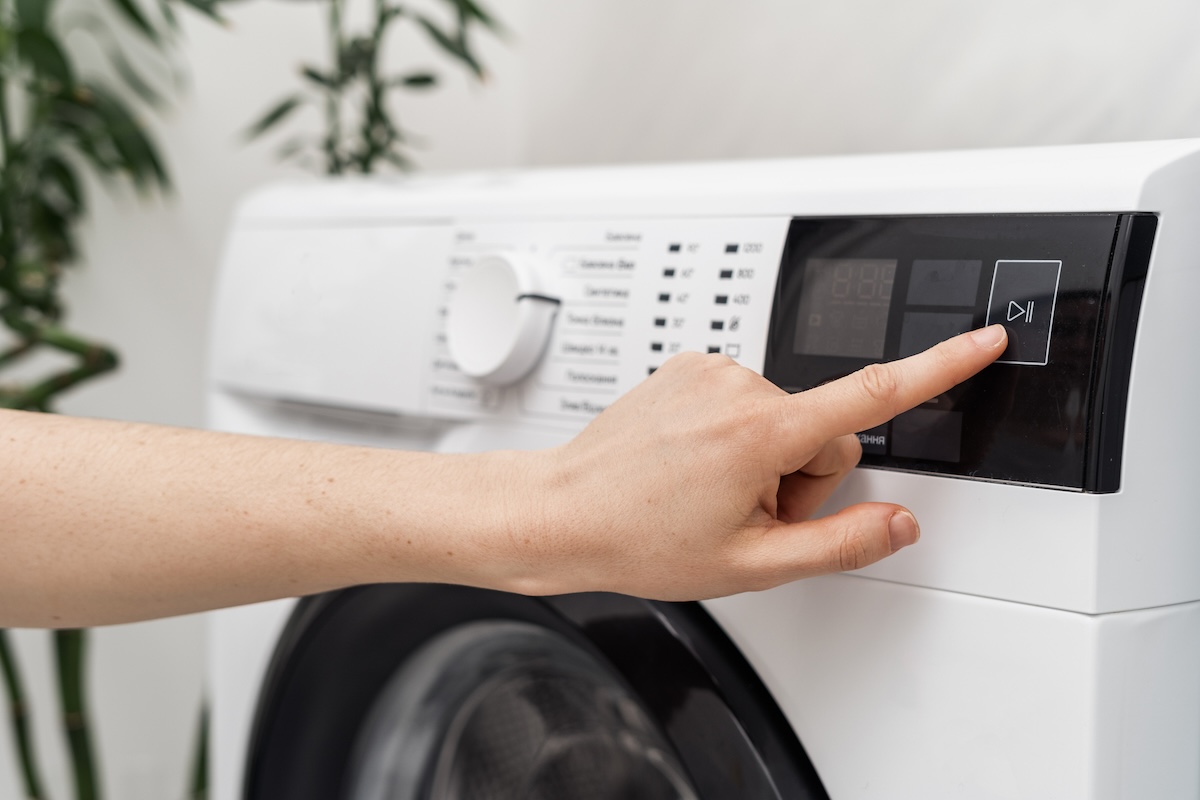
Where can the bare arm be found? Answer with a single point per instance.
(698, 483)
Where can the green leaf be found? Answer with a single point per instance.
(32, 14)
(206, 7)
(111, 137)
(59, 174)
(387, 14)
(418, 80)
(472, 10)
(131, 140)
(452, 47)
(290, 148)
(45, 57)
(133, 79)
(319, 78)
(52, 225)
(134, 15)
(274, 116)
(167, 9)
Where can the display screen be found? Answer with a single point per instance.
(844, 307)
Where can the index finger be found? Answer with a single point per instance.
(878, 392)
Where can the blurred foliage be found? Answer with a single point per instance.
(354, 92)
(54, 122)
(58, 120)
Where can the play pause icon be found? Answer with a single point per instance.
(1017, 311)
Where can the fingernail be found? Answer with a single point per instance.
(902, 530)
(989, 337)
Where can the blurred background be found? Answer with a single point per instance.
(574, 82)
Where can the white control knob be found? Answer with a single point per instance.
(499, 319)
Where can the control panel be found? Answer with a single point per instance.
(558, 319)
(1067, 287)
(564, 317)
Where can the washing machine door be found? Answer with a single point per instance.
(433, 692)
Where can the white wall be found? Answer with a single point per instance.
(629, 80)
(583, 81)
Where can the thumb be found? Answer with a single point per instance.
(850, 539)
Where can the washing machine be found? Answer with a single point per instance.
(1041, 641)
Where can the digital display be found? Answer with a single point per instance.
(844, 306)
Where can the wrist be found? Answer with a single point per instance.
(477, 519)
(524, 538)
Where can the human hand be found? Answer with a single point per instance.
(700, 482)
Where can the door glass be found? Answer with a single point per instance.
(504, 710)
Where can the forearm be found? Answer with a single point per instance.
(110, 522)
(701, 481)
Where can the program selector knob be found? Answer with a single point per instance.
(499, 318)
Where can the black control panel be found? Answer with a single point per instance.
(1067, 287)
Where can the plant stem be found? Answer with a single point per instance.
(69, 646)
(8, 247)
(199, 787)
(19, 719)
(333, 111)
(95, 360)
(14, 353)
(5, 129)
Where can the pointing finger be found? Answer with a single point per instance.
(877, 393)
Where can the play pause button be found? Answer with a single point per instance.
(1022, 313)
(1022, 299)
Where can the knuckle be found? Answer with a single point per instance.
(880, 383)
(684, 359)
(946, 355)
(853, 551)
(698, 361)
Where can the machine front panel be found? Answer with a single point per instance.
(858, 291)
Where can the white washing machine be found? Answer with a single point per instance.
(1042, 640)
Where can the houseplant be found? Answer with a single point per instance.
(56, 121)
(354, 92)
